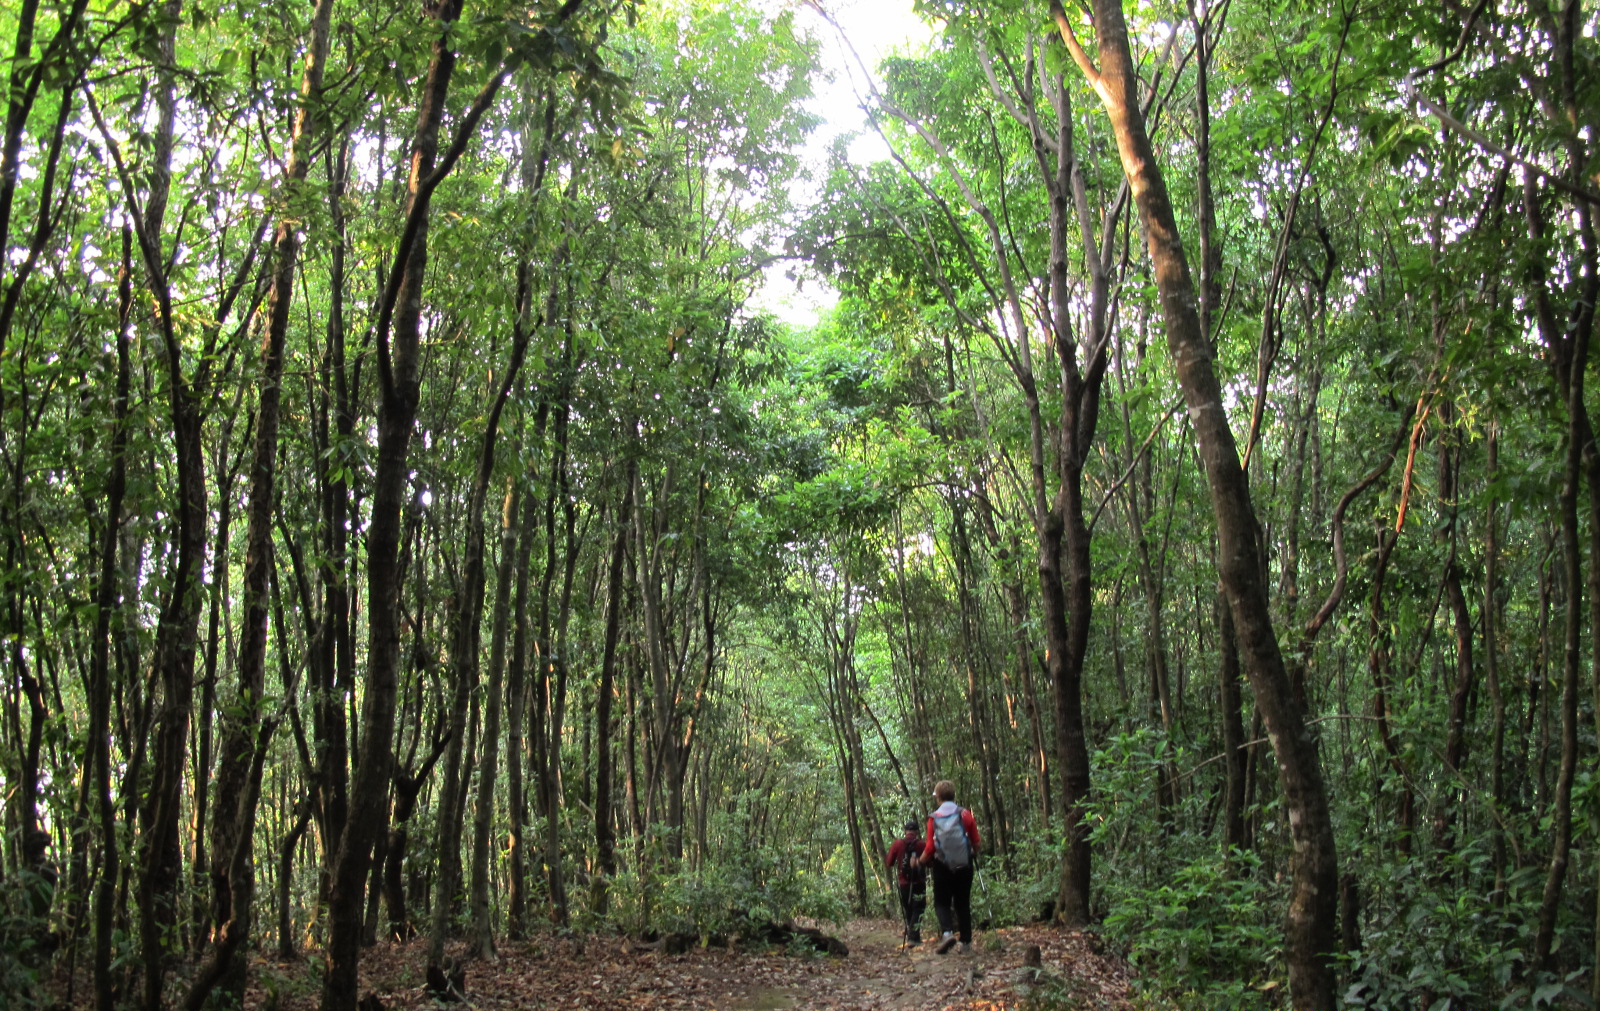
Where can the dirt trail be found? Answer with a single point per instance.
(881, 974)
(613, 974)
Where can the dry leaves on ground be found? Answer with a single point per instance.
(611, 974)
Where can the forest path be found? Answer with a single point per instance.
(613, 974)
(882, 974)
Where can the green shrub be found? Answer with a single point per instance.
(747, 889)
(1432, 944)
(21, 932)
(1205, 938)
(1202, 928)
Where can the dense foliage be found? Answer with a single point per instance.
(409, 526)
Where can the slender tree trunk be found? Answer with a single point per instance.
(1455, 748)
(335, 655)
(233, 836)
(286, 848)
(605, 836)
(200, 865)
(1312, 924)
(1491, 664)
(1570, 353)
(664, 754)
(532, 174)
(972, 648)
(399, 382)
(20, 103)
(1572, 572)
(483, 821)
(518, 676)
(1234, 753)
(29, 70)
(407, 788)
(107, 593)
(177, 631)
(1380, 664)
(852, 810)
(466, 638)
(555, 665)
(447, 824)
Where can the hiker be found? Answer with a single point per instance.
(951, 848)
(913, 881)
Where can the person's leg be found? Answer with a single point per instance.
(943, 895)
(919, 902)
(905, 909)
(961, 899)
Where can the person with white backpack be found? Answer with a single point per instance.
(950, 852)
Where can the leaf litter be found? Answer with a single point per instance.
(612, 973)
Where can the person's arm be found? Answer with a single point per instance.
(971, 825)
(894, 853)
(928, 849)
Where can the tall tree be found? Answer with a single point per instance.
(1311, 920)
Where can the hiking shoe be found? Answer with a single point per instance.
(966, 947)
(946, 944)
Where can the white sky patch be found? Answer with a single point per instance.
(875, 29)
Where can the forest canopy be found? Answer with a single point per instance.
(414, 527)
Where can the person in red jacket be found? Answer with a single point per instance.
(913, 880)
(951, 847)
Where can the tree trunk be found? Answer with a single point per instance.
(1380, 662)
(407, 788)
(466, 639)
(286, 848)
(482, 942)
(1455, 747)
(1234, 754)
(333, 658)
(200, 866)
(518, 675)
(1491, 664)
(399, 384)
(233, 837)
(1312, 925)
(605, 836)
(662, 704)
(177, 631)
(106, 594)
(984, 748)
(553, 639)
(1569, 352)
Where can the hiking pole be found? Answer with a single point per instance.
(983, 886)
(905, 922)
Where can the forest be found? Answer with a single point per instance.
(418, 538)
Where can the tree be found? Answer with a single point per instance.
(1311, 917)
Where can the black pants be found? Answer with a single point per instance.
(913, 900)
(952, 900)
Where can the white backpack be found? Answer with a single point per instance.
(950, 842)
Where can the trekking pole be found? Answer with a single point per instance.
(905, 927)
(905, 923)
(983, 886)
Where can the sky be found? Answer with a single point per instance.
(875, 29)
